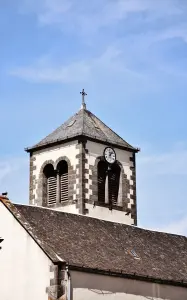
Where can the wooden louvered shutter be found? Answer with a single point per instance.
(102, 169)
(114, 176)
(51, 189)
(64, 187)
(63, 180)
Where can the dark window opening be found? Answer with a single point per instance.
(50, 184)
(111, 178)
(102, 173)
(113, 183)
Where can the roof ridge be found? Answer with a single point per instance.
(111, 130)
(100, 220)
(96, 124)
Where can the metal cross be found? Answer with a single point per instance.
(83, 101)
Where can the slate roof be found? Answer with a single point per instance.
(102, 245)
(87, 124)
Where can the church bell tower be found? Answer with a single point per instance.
(84, 167)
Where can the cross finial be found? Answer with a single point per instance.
(83, 101)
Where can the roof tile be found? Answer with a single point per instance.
(87, 124)
(103, 245)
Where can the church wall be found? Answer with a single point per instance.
(100, 287)
(128, 189)
(69, 208)
(24, 268)
(39, 158)
(108, 215)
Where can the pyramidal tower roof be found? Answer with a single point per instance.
(86, 124)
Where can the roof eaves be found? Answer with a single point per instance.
(121, 273)
(76, 136)
(128, 145)
(52, 143)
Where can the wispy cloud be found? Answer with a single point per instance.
(82, 14)
(169, 163)
(74, 72)
(178, 227)
(45, 70)
(139, 28)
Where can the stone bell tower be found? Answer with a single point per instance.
(84, 167)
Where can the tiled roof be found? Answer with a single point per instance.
(87, 124)
(102, 245)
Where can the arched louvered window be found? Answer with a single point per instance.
(102, 172)
(113, 183)
(50, 184)
(108, 183)
(63, 180)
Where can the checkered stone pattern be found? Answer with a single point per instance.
(127, 201)
(88, 180)
(32, 179)
(57, 288)
(133, 204)
(77, 172)
(81, 169)
(40, 197)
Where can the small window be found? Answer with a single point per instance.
(134, 254)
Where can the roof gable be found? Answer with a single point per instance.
(29, 229)
(102, 245)
(83, 123)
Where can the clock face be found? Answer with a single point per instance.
(110, 155)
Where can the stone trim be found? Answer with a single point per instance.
(125, 187)
(57, 288)
(42, 197)
(94, 187)
(80, 177)
(32, 179)
(65, 158)
(133, 189)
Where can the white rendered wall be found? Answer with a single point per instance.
(100, 287)
(54, 153)
(71, 208)
(104, 213)
(24, 268)
(95, 150)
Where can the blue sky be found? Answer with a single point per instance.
(131, 58)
